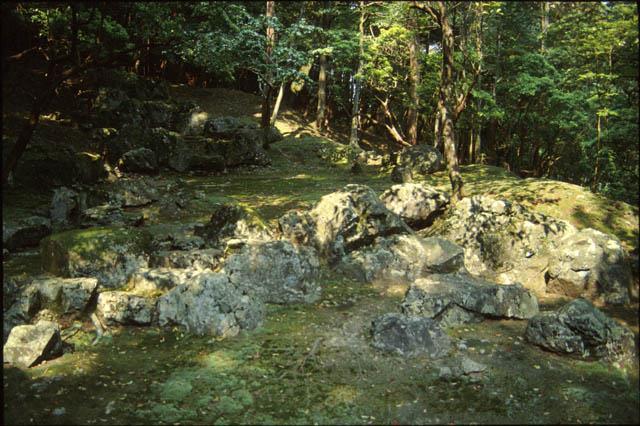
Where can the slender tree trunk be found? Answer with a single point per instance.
(322, 93)
(355, 114)
(448, 134)
(544, 23)
(267, 90)
(414, 78)
(276, 108)
(596, 169)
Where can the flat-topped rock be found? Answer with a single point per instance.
(403, 257)
(453, 299)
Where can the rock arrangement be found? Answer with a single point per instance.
(215, 278)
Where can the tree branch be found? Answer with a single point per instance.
(428, 9)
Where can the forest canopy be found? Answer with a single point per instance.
(544, 89)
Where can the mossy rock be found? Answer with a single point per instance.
(109, 254)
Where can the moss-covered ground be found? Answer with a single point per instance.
(313, 363)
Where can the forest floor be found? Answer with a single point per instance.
(313, 363)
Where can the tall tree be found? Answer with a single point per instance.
(414, 78)
(357, 80)
(267, 88)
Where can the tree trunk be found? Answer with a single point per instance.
(448, 134)
(355, 114)
(322, 93)
(414, 78)
(267, 90)
(544, 23)
(276, 108)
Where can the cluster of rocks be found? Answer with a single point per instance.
(216, 277)
(134, 126)
(506, 243)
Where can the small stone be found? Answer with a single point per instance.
(59, 411)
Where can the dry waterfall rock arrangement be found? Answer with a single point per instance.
(580, 329)
(453, 299)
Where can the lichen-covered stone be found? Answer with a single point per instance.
(211, 305)
(139, 160)
(420, 160)
(277, 271)
(297, 226)
(409, 336)
(402, 257)
(111, 255)
(65, 295)
(65, 207)
(580, 329)
(232, 221)
(119, 307)
(29, 345)
(351, 218)
(457, 298)
(417, 204)
(590, 264)
(503, 241)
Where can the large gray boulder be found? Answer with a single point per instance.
(453, 299)
(417, 204)
(29, 345)
(211, 305)
(402, 257)
(419, 160)
(64, 295)
(119, 307)
(139, 160)
(277, 271)
(351, 218)
(25, 233)
(111, 255)
(409, 336)
(580, 329)
(503, 241)
(590, 264)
